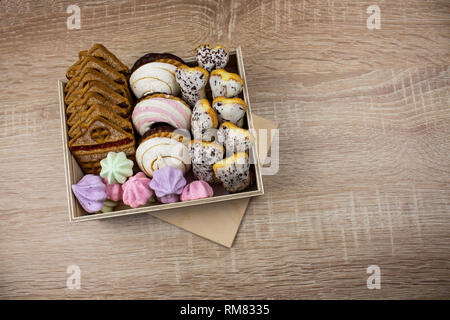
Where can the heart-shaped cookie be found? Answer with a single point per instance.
(211, 58)
(192, 82)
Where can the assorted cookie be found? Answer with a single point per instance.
(155, 73)
(230, 109)
(98, 108)
(225, 84)
(234, 139)
(192, 82)
(204, 121)
(234, 172)
(160, 152)
(161, 108)
(168, 184)
(203, 155)
(211, 58)
(173, 106)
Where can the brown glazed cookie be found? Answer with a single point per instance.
(94, 63)
(104, 91)
(155, 57)
(79, 82)
(100, 52)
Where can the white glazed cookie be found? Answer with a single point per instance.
(159, 152)
(234, 172)
(211, 58)
(203, 156)
(192, 82)
(225, 84)
(234, 139)
(230, 109)
(203, 120)
(154, 77)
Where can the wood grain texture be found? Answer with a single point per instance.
(364, 153)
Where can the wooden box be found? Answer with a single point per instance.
(74, 173)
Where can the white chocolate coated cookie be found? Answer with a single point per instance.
(225, 84)
(234, 172)
(192, 82)
(230, 110)
(211, 58)
(234, 139)
(203, 119)
(203, 156)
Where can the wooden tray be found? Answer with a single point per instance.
(74, 173)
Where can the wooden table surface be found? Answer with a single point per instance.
(364, 176)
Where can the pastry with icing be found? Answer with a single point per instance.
(160, 152)
(136, 190)
(192, 82)
(90, 192)
(234, 172)
(198, 189)
(157, 108)
(225, 84)
(230, 109)
(211, 58)
(233, 138)
(203, 155)
(168, 184)
(155, 73)
(116, 168)
(204, 121)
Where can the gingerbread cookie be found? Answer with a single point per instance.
(192, 82)
(211, 58)
(100, 52)
(225, 84)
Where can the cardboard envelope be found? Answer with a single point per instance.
(218, 222)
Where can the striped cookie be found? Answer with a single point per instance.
(161, 108)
